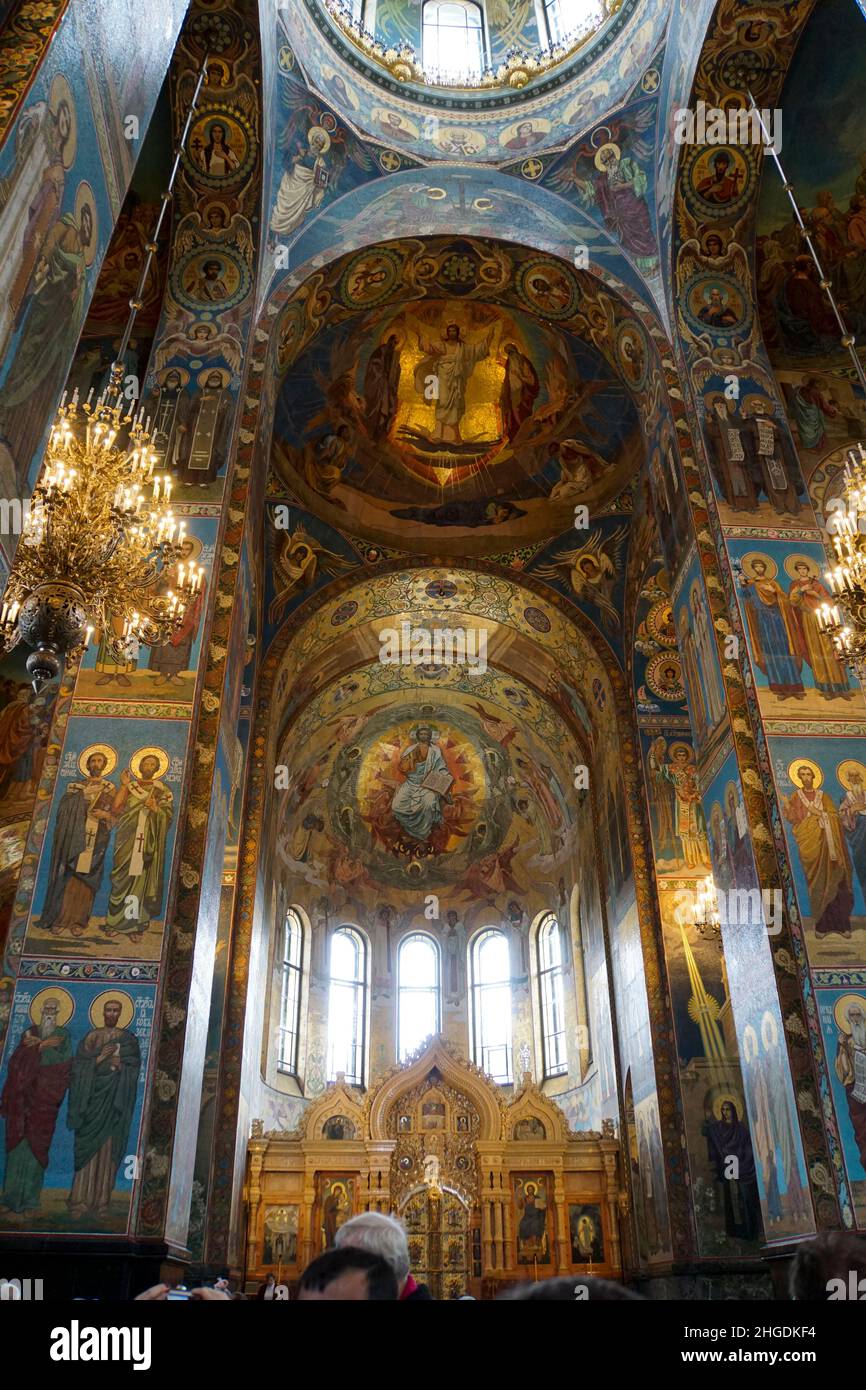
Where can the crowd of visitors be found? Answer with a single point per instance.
(370, 1263)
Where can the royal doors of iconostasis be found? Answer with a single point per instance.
(440, 1241)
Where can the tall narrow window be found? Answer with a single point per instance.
(564, 17)
(453, 38)
(290, 993)
(347, 1005)
(490, 971)
(417, 992)
(550, 988)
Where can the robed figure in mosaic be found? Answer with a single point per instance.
(143, 809)
(102, 1094)
(36, 1083)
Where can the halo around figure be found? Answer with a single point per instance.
(844, 772)
(127, 1008)
(65, 1004)
(109, 754)
(793, 771)
(141, 753)
(841, 1007)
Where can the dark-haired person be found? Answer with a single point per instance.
(829, 1269)
(572, 1288)
(348, 1276)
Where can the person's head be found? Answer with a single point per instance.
(379, 1235)
(729, 1112)
(759, 569)
(451, 917)
(48, 1017)
(571, 1288)
(64, 120)
(96, 764)
(148, 767)
(857, 1019)
(271, 1279)
(216, 217)
(202, 332)
(86, 224)
(349, 1275)
(111, 1010)
(807, 777)
(213, 380)
(721, 164)
(818, 1263)
(452, 333)
(172, 380)
(211, 270)
(714, 245)
(218, 134)
(425, 733)
(802, 570)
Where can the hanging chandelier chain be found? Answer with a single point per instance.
(96, 552)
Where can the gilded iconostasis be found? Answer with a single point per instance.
(511, 367)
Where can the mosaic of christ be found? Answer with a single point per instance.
(458, 417)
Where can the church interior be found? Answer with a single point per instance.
(432, 742)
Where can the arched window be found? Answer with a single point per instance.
(453, 38)
(563, 17)
(490, 972)
(549, 947)
(347, 1005)
(417, 992)
(290, 993)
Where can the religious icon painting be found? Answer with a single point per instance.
(822, 792)
(548, 287)
(781, 589)
(280, 1237)
(155, 675)
(700, 667)
(587, 1235)
(211, 279)
(334, 1207)
(221, 148)
(718, 180)
(715, 304)
(532, 1202)
(104, 869)
(843, 1025)
(78, 1053)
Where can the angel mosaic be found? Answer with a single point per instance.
(591, 571)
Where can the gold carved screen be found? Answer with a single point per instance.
(491, 1190)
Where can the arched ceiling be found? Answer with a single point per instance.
(511, 733)
(511, 758)
(433, 124)
(454, 393)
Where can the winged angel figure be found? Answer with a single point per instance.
(299, 559)
(591, 569)
(316, 149)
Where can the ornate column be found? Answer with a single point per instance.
(258, 1149)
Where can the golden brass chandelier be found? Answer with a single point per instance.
(97, 545)
(845, 621)
(100, 547)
